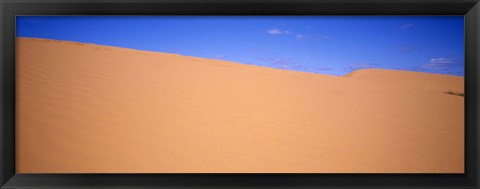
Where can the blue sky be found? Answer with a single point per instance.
(334, 45)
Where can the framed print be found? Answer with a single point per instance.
(172, 94)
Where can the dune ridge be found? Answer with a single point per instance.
(86, 108)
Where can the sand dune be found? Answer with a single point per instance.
(85, 108)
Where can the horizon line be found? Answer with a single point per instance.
(235, 62)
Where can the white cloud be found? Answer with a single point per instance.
(357, 66)
(299, 37)
(439, 63)
(276, 31)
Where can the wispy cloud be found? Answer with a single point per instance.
(285, 63)
(312, 37)
(282, 63)
(439, 64)
(406, 26)
(358, 66)
(299, 37)
(276, 31)
(316, 69)
(289, 64)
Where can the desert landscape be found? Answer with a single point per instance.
(86, 108)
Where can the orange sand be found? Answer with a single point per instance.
(85, 108)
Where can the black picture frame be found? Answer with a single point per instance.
(11, 8)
